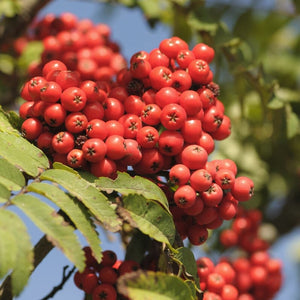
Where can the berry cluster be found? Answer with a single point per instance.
(161, 114)
(99, 279)
(257, 277)
(244, 232)
(82, 46)
(211, 196)
(252, 276)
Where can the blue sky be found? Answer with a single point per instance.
(133, 34)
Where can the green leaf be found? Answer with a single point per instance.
(9, 8)
(74, 210)
(138, 246)
(15, 120)
(202, 23)
(18, 253)
(125, 185)
(275, 103)
(4, 193)
(5, 124)
(7, 64)
(22, 154)
(89, 195)
(10, 176)
(60, 166)
(287, 95)
(32, 52)
(149, 217)
(8, 250)
(185, 258)
(292, 124)
(60, 233)
(150, 285)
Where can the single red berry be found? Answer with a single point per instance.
(104, 291)
(63, 142)
(73, 99)
(31, 128)
(197, 234)
(185, 196)
(94, 150)
(128, 266)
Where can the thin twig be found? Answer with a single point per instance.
(65, 278)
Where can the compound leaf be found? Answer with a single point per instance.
(74, 210)
(17, 250)
(126, 184)
(4, 193)
(149, 217)
(60, 233)
(5, 124)
(10, 176)
(185, 258)
(22, 154)
(88, 194)
(150, 285)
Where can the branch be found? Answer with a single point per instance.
(13, 27)
(59, 287)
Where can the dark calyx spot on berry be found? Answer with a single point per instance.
(89, 127)
(77, 99)
(60, 137)
(225, 180)
(182, 201)
(52, 122)
(155, 166)
(73, 160)
(150, 137)
(91, 151)
(173, 117)
(200, 65)
(218, 120)
(168, 149)
(133, 126)
(34, 83)
(207, 176)
(78, 123)
(103, 295)
(167, 76)
(197, 149)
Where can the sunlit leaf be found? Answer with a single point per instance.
(7, 64)
(5, 124)
(149, 217)
(275, 103)
(10, 176)
(4, 193)
(18, 252)
(292, 124)
(90, 196)
(22, 154)
(32, 52)
(60, 233)
(9, 8)
(125, 185)
(74, 210)
(149, 285)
